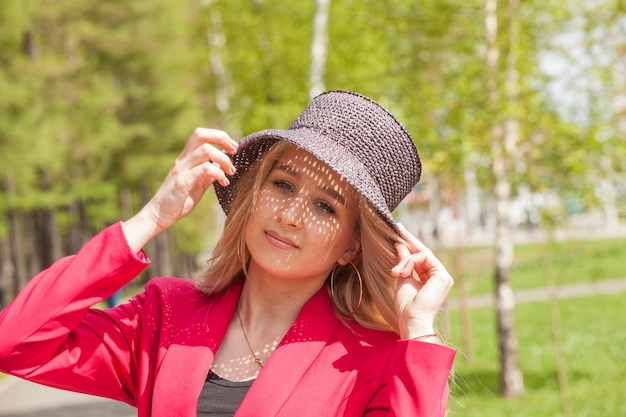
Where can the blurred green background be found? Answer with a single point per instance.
(98, 98)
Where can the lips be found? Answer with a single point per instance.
(280, 241)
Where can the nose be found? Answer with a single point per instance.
(291, 213)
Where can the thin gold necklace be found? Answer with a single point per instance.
(245, 336)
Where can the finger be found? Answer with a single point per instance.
(409, 262)
(215, 137)
(417, 246)
(418, 263)
(412, 242)
(206, 173)
(402, 251)
(219, 159)
(208, 153)
(404, 266)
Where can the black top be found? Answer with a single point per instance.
(220, 397)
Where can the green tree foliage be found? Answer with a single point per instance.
(267, 54)
(97, 98)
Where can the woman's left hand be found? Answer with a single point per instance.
(418, 298)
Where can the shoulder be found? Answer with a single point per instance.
(169, 286)
(178, 296)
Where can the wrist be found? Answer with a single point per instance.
(430, 337)
(413, 328)
(140, 229)
(419, 334)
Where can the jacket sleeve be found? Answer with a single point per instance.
(50, 335)
(415, 381)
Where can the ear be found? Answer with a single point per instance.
(351, 251)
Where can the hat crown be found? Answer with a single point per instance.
(371, 135)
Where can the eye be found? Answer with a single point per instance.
(282, 185)
(325, 207)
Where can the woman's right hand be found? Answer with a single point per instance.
(200, 164)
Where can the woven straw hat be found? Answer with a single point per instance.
(354, 136)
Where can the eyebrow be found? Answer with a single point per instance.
(327, 190)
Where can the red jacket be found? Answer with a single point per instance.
(155, 351)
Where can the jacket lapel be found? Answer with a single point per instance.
(295, 354)
(189, 357)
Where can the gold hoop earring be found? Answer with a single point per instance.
(332, 286)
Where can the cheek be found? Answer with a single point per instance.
(262, 205)
(325, 226)
(334, 236)
(257, 213)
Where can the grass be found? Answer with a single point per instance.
(593, 343)
(534, 265)
(592, 336)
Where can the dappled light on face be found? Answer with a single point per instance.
(309, 194)
(302, 197)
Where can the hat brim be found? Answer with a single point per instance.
(338, 158)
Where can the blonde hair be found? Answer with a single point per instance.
(228, 263)
(374, 264)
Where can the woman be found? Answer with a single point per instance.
(315, 302)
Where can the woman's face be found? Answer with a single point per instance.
(303, 222)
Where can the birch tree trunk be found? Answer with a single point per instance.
(216, 39)
(319, 48)
(504, 139)
(619, 72)
(606, 186)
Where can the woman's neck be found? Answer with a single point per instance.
(266, 299)
(267, 309)
(265, 306)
